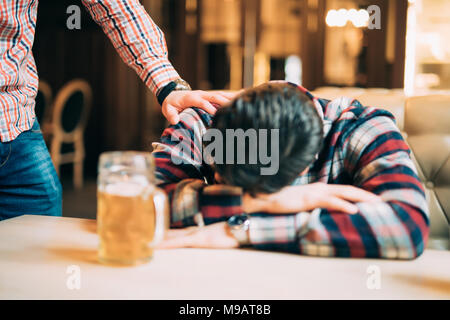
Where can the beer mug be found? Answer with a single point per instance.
(131, 211)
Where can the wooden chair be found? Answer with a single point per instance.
(70, 115)
(43, 108)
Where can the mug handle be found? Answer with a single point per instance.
(161, 215)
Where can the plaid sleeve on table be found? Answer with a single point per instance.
(376, 156)
(138, 40)
(184, 177)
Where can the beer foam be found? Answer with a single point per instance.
(125, 189)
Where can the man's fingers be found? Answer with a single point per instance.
(205, 105)
(171, 114)
(172, 243)
(335, 203)
(354, 194)
(177, 233)
(216, 98)
(230, 94)
(177, 238)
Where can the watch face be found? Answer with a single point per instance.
(239, 226)
(237, 221)
(182, 85)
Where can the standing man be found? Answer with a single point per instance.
(28, 181)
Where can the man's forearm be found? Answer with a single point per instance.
(392, 230)
(137, 39)
(393, 225)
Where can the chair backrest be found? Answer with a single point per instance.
(427, 125)
(71, 108)
(43, 102)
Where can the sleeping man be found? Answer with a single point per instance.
(281, 170)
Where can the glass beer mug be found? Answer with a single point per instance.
(131, 210)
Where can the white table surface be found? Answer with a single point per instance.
(36, 252)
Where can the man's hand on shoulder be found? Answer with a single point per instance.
(209, 101)
(305, 198)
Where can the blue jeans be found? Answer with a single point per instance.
(28, 181)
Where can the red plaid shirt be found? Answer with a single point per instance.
(363, 147)
(137, 39)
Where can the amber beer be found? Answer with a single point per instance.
(129, 208)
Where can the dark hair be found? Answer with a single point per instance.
(271, 106)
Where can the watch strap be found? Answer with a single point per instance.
(177, 85)
(162, 95)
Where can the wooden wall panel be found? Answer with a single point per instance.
(120, 117)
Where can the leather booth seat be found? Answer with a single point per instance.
(391, 100)
(427, 128)
(425, 124)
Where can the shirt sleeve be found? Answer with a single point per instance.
(187, 180)
(138, 40)
(377, 158)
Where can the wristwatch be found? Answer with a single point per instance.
(177, 85)
(239, 226)
(181, 85)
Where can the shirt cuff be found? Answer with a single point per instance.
(164, 92)
(285, 229)
(159, 76)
